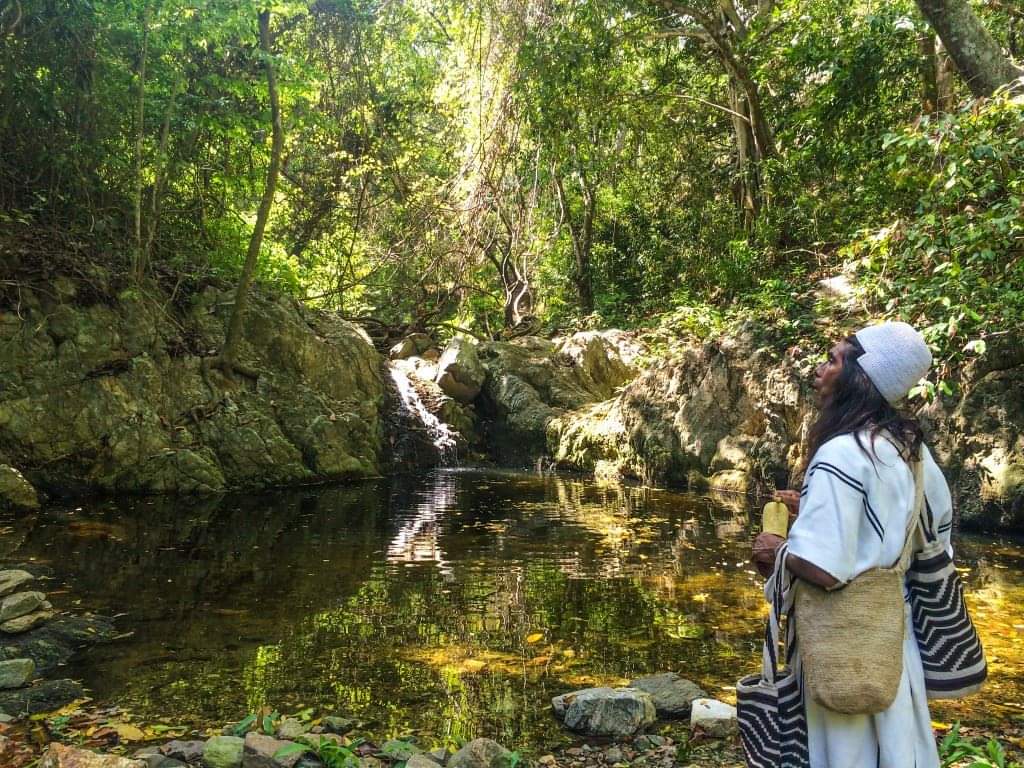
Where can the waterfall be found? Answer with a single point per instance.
(415, 415)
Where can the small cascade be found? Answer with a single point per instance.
(415, 429)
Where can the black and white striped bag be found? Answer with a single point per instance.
(770, 705)
(951, 652)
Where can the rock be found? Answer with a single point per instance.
(15, 491)
(186, 751)
(613, 755)
(19, 604)
(262, 751)
(481, 753)
(420, 761)
(16, 672)
(91, 393)
(29, 620)
(460, 374)
(605, 711)
(671, 694)
(439, 755)
(56, 641)
(369, 761)
(44, 696)
(223, 752)
(547, 760)
(399, 750)
(60, 756)
(414, 344)
(339, 725)
(159, 761)
(12, 581)
(713, 717)
(290, 729)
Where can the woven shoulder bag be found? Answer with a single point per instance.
(851, 638)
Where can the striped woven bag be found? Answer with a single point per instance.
(770, 705)
(951, 652)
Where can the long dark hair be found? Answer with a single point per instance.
(857, 405)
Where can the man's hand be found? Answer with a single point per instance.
(791, 499)
(763, 555)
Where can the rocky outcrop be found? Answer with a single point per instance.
(733, 414)
(723, 414)
(532, 381)
(114, 395)
(459, 373)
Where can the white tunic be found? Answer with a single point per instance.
(854, 512)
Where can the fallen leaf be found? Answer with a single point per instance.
(535, 637)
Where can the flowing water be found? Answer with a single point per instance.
(450, 605)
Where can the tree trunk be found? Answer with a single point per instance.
(944, 79)
(581, 236)
(978, 57)
(230, 350)
(138, 259)
(930, 64)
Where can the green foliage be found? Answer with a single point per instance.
(950, 259)
(955, 750)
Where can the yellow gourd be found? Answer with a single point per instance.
(775, 518)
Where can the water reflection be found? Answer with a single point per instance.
(452, 605)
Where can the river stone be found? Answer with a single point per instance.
(29, 620)
(223, 752)
(12, 581)
(16, 672)
(290, 729)
(481, 753)
(15, 491)
(260, 752)
(20, 603)
(671, 694)
(459, 371)
(186, 751)
(339, 725)
(60, 756)
(399, 750)
(713, 717)
(420, 761)
(44, 696)
(605, 711)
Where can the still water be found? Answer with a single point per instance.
(448, 605)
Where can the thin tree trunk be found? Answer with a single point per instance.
(138, 268)
(163, 170)
(980, 61)
(944, 79)
(581, 241)
(930, 64)
(229, 352)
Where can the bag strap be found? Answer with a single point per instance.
(775, 591)
(917, 467)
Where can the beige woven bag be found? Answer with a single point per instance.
(851, 637)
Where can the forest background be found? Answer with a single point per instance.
(503, 166)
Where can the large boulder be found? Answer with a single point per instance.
(459, 372)
(15, 491)
(672, 695)
(605, 711)
(60, 756)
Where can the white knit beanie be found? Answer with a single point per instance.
(895, 358)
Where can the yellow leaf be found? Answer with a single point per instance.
(701, 597)
(569, 653)
(941, 726)
(127, 732)
(473, 665)
(535, 637)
